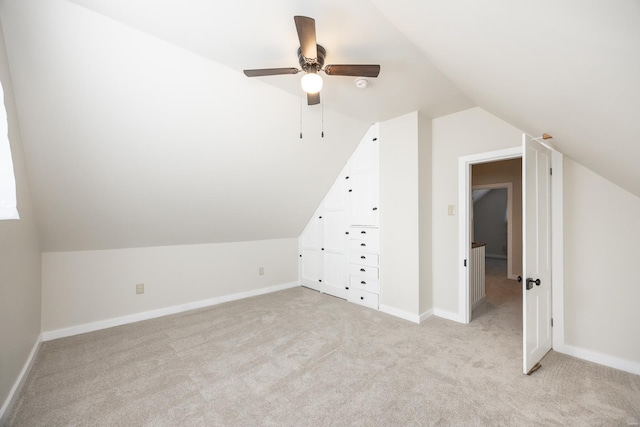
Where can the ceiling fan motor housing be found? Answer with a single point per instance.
(306, 63)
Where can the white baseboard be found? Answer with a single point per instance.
(447, 315)
(427, 314)
(17, 386)
(415, 318)
(152, 314)
(602, 359)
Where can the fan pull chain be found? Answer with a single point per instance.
(322, 105)
(300, 117)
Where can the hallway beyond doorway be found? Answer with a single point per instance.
(503, 304)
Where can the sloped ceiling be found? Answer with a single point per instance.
(569, 68)
(139, 128)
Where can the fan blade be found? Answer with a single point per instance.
(353, 70)
(270, 72)
(307, 34)
(313, 98)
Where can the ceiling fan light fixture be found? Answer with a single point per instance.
(311, 82)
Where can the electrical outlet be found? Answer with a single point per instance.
(451, 210)
(140, 288)
(261, 271)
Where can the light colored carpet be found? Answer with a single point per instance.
(299, 358)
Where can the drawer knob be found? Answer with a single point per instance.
(363, 257)
(346, 287)
(363, 232)
(362, 269)
(361, 297)
(363, 244)
(362, 282)
(375, 209)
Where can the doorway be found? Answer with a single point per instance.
(544, 196)
(485, 164)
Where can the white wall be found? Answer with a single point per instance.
(19, 264)
(91, 286)
(404, 192)
(469, 132)
(601, 255)
(490, 222)
(399, 240)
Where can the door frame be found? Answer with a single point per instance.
(509, 187)
(557, 217)
(464, 224)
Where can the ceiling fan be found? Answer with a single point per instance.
(311, 59)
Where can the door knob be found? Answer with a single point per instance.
(519, 279)
(530, 283)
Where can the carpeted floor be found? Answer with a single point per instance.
(299, 358)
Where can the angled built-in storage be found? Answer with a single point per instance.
(342, 238)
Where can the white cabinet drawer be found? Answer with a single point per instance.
(364, 246)
(363, 271)
(363, 298)
(364, 284)
(361, 233)
(372, 260)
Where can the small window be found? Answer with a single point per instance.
(8, 207)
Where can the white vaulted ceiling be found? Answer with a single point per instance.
(570, 68)
(140, 129)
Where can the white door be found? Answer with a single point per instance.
(536, 166)
(335, 260)
(362, 185)
(311, 254)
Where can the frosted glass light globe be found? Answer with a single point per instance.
(311, 82)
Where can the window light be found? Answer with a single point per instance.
(8, 207)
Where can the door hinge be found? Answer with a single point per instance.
(550, 171)
(552, 322)
(465, 262)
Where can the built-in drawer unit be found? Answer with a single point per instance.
(364, 298)
(364, 264)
